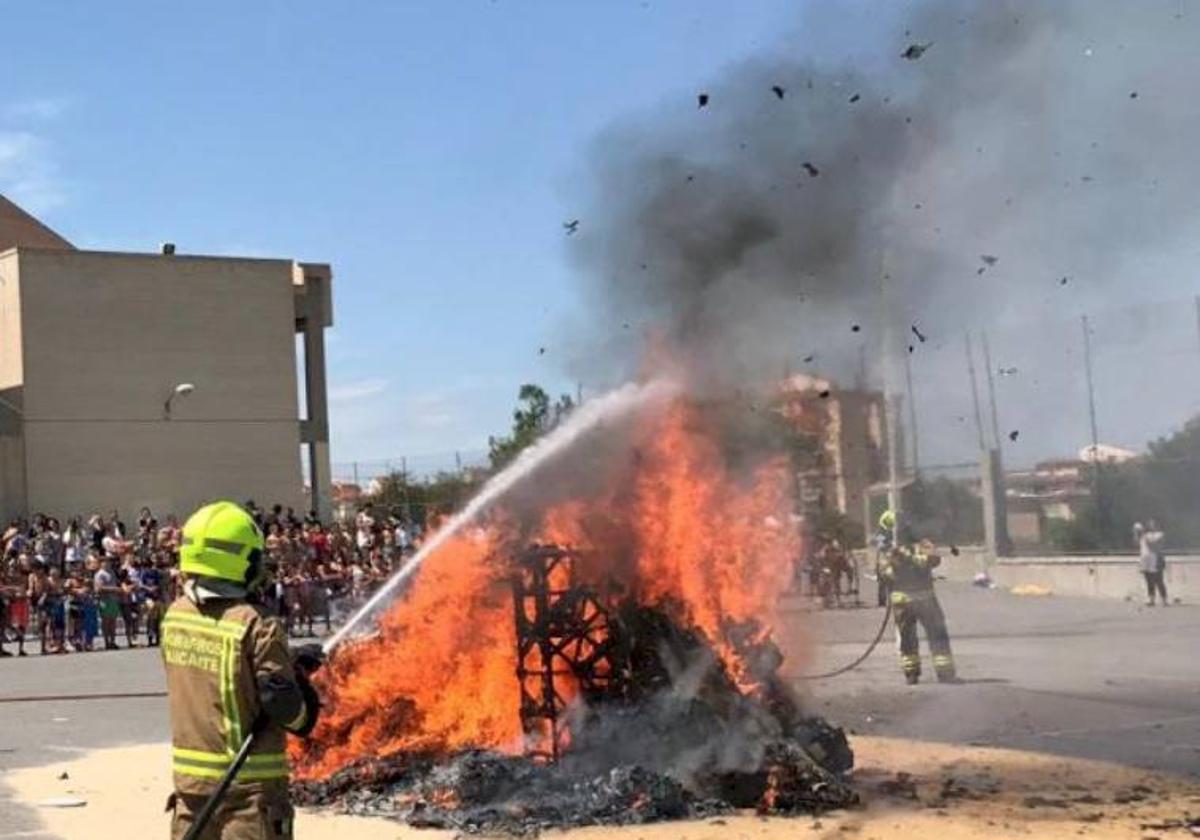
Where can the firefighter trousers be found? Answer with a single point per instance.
(927, 612)
(243, 815)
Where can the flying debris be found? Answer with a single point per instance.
(571, 226)
(1013, 435)
(1007, 371)
(915, 51)
(855, 98)
(541, 351)
(989, 259)
(855, 328)
(812, 171)
(702, 100)
(810, 358)
(1133, 94)
(778, 91)
(1063, 281)
(824, 394)
(921, 337)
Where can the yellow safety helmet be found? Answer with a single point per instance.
(222, 541)
(887, 519)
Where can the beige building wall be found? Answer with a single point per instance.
(12, 449)
(104, 338)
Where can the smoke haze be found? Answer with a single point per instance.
(1057, 138)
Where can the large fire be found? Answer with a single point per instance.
(679, 527)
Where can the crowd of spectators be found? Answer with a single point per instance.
(83, 586)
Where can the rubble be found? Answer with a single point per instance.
(481, 792)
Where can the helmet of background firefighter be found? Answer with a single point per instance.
(222, 541)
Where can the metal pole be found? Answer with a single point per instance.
(890, 398)
(1098, 492)
(912, 414)
(1091, 389)
(991, 383)
(1198, 316)
(893, 406)
(974, 391)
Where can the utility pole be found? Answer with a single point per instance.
(974, 391)
(1198, 315)
(1098, 492)
(1091, 388)
(890, 398)
(893, 407)
(991, 383)
(912, 413)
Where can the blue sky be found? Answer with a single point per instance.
(430, 151)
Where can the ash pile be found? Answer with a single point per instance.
(629, 716)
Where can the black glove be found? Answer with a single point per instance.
(308, 659)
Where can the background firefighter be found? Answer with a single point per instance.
(883, 540)
(908, 570)
(229, 673)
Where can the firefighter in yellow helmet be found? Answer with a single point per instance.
(229, 672)
(908, 569)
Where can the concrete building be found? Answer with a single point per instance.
(848, 430)
(93, 347)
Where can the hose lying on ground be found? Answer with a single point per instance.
(887, 614)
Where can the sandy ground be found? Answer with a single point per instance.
(910, 790)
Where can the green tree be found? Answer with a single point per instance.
(442, 494)
(944, 510)
(532, 418)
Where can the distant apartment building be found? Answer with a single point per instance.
(156, 379)
(848, 430)
(1053, 490)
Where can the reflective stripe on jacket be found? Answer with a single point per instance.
(909, 572)
(215, 656)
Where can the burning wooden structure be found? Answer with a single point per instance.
(619, 669)
(564, 642)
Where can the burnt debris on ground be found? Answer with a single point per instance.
(630, 716)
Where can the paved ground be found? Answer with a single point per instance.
(1092, 679)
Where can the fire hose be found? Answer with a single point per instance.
(887, 614)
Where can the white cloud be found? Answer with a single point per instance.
(41, 108)
(358, 390)
(432, 410)
(28, 173)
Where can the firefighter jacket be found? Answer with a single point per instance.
(228, 667)
(909, 571)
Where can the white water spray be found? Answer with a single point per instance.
(610, 406)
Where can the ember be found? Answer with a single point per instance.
(619, 669)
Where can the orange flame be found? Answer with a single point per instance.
(679, 527)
